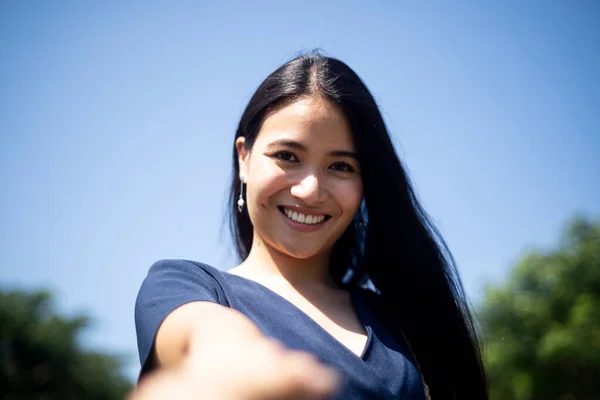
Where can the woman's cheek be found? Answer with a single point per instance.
(270, 184)
(350, 195)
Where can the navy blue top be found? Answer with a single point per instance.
(385, 370)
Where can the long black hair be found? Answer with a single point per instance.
(392, 242)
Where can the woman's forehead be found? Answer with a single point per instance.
(309, 121)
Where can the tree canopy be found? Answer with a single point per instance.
(41, 358)
(542, 326)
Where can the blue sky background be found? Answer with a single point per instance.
(117, 124)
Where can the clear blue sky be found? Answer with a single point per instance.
(117, 124)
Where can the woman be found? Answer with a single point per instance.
(339, 259)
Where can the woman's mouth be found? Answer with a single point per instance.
(307, 219)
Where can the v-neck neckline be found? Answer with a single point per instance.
(357, 307)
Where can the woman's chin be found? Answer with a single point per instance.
(301, 253)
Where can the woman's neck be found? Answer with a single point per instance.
(269, 263)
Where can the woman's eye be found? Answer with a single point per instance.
(342, 167)
(286, 156)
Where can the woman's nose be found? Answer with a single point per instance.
(310, 190)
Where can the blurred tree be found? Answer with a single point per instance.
(40, 357)
(542, 328)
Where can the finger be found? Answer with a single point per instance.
(174, 384)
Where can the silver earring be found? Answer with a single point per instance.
(240, 202)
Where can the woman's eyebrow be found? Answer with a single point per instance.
(288, 143)
(344, 153)
(296, 145)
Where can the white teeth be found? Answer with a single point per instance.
(303, 218)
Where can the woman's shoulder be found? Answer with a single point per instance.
(183, 265)
(181, 274)
(177, 281)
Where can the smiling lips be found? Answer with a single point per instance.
(308, 219)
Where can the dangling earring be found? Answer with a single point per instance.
(240, 201)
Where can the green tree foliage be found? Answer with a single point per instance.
(542, 328)
(40, 357)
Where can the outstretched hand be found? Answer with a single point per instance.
(256, 368)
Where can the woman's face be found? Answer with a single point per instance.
(303, 182)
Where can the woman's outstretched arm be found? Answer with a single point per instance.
(205, 350)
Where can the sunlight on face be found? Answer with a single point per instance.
(303, 178)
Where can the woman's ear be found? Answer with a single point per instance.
(243, 156)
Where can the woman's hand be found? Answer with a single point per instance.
(255, 368)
